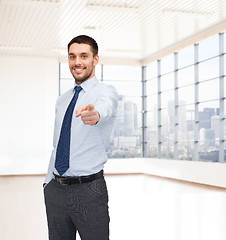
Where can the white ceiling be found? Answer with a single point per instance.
(127, 31)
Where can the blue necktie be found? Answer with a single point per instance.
(63, 147)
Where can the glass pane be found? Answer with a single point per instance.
(225, 141)
(167, 146)
(186, 141)
(152, 86)
(186, 119)
(167, 64)
(166, 97)
(165, 117)
(215, 126)
(167, 82)
(170, 119)
(126, 88)
(152, 142)
(225, 108)
(209, 48)
(152, 150)
(186, 132)
(66, 84)
(124, 147)
(209, 69)
(152, 119)
(210, 105)
(225, 61)
(208, 149)
(182, 117)
(207, 114)
(186, 57)
(133, 104)
(225, 42)
(209, 90)
(186, 95)
(126, 135)
(114, 72)
(186, 76)
(186, 115)
(152, 103)
(152, 70)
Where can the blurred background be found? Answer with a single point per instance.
(167, 60)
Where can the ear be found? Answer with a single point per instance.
(96, 59)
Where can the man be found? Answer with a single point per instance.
(75, 191)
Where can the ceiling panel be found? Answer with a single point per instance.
(127, 31)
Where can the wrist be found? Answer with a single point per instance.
(98, 118)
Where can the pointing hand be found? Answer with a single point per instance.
(88, 114)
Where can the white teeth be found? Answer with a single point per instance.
(78, 69)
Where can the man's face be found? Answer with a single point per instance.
(82, 62)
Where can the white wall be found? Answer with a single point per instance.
(208, 173)
(28, 91)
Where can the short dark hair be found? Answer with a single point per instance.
(86, 40)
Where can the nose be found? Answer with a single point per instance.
(77, 61)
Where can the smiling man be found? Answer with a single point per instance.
(75, 190)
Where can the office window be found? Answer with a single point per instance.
(186, 57)
(209, 90)
(167, 82)
(209, 48)
(152, 110)
(225, 62)
(209, 69)
(152, 71)
(187, 94)
(186, 76)
(224, 42)
(186, 120)
(167, 64)
(126, 136)
(188, 123)
(66, 79)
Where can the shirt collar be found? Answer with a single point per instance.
(88, 83)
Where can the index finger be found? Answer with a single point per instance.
(79, 111)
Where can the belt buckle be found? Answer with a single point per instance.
(62, 181)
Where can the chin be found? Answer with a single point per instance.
(82, 79)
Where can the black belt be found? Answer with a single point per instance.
(78, 180)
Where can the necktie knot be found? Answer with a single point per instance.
(78, 89)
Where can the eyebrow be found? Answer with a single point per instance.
(83, 53)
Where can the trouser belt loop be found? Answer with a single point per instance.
(80, 180)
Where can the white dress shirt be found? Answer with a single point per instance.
(88, 143)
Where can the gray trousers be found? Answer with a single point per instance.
(77, 207)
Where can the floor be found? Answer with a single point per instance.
(153, 208)
(141, 208)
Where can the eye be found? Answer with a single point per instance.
(72, 57)
(84, 57)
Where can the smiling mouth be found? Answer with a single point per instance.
(78, 70)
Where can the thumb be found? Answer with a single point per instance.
(89, 107)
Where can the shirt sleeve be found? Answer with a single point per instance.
(107, 104)
(49, 175)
